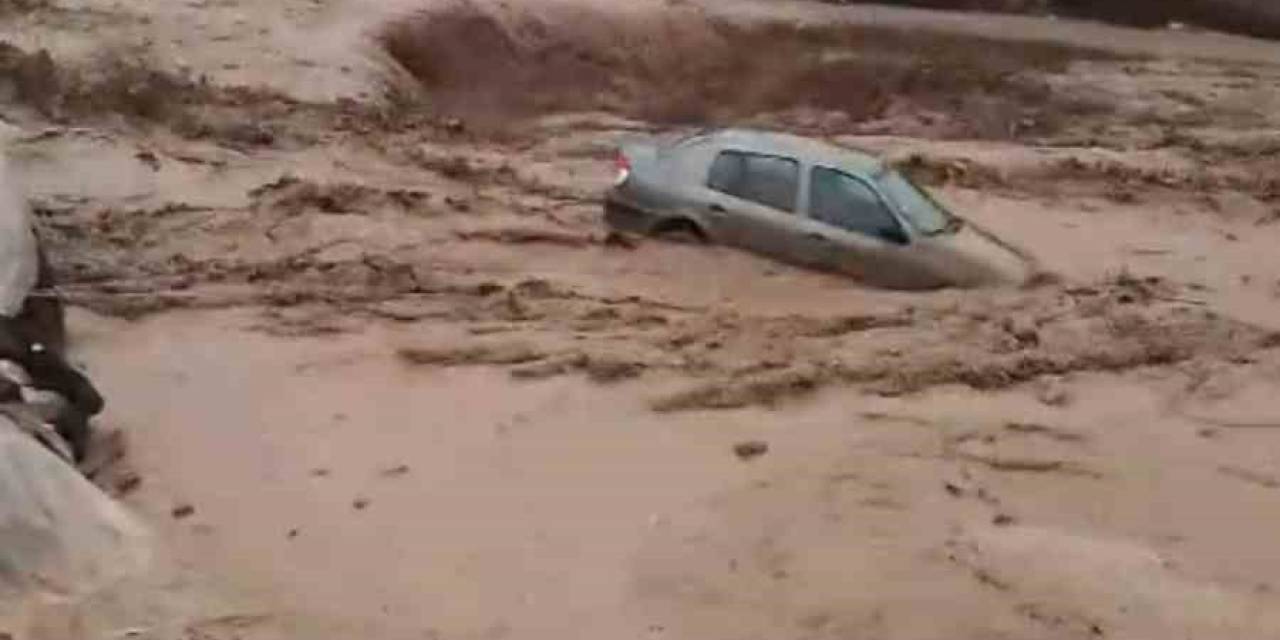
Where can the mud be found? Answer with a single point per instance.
(682, 66)
(311, 243)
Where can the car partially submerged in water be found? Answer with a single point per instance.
(805, 202)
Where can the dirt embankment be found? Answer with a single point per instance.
(682, 66)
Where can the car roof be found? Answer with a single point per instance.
(784, 144)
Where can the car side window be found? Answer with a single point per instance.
(843, 201)
(768, 180)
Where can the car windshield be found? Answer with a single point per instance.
(926, 215)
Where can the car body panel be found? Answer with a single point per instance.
(670, 182)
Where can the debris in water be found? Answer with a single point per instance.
(149, 158)
(480, 354)
(398, 470)
(1053, 433)
(454, 125)
(1023, 330)
(127, 483)
(750, 449)
(616, 240)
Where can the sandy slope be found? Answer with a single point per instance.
(410, 392)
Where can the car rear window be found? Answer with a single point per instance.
(769, 180)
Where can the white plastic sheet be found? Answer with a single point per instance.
(58, 533)
(18, 261)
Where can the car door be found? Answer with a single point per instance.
(752, 200)
(850, 229)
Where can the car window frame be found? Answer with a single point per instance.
(905, 219)
(903, 228)
(796, 208)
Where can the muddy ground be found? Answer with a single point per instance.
(383, 375)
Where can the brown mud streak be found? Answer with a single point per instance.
(496, 354)
(987, 373)
(1029, 465)
(1264, 480)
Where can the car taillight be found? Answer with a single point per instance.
(623, 167)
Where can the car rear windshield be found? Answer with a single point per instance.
(925, 214)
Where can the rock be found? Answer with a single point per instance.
(360, 504)
(183, 511)
(1003, 520)
(750, 449)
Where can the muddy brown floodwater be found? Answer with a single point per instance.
(348, 493)
(383, 375)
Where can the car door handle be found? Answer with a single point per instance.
(716, 209)
(817, 236)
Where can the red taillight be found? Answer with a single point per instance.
(623, 167)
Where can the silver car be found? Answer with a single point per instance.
(805, 202)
